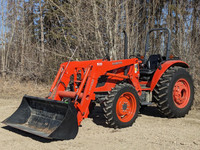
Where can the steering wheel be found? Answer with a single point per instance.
(107, 57)
(137, 56)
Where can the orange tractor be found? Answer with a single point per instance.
(120, 86)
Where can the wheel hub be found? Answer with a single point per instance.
(126, 107)
(181, 93)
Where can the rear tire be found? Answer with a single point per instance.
(174, 93)
(121, 106)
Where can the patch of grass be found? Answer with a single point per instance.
(16, 89)
(196, 104)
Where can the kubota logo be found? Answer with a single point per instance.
(99, 64)
(117, 63)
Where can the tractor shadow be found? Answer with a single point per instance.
(150, 111)
(99, 119)
(98, 116)
(25, 134)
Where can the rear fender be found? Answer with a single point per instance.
(164, 67)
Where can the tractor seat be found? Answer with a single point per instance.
(146, 72)
(151, 65)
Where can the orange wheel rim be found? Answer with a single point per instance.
(181, 93)
(126, 107)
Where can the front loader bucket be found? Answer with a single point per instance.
(46, 118)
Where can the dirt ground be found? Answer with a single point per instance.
(150, 131)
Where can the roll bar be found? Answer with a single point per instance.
(168, 41)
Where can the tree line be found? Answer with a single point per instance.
(37, 35)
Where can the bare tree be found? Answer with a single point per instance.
(45, 33)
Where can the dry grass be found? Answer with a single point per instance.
(16, 89)
(197, 99)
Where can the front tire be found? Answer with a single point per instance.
(174, 93)
(121, 106)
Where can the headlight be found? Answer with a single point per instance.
(136, 68)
